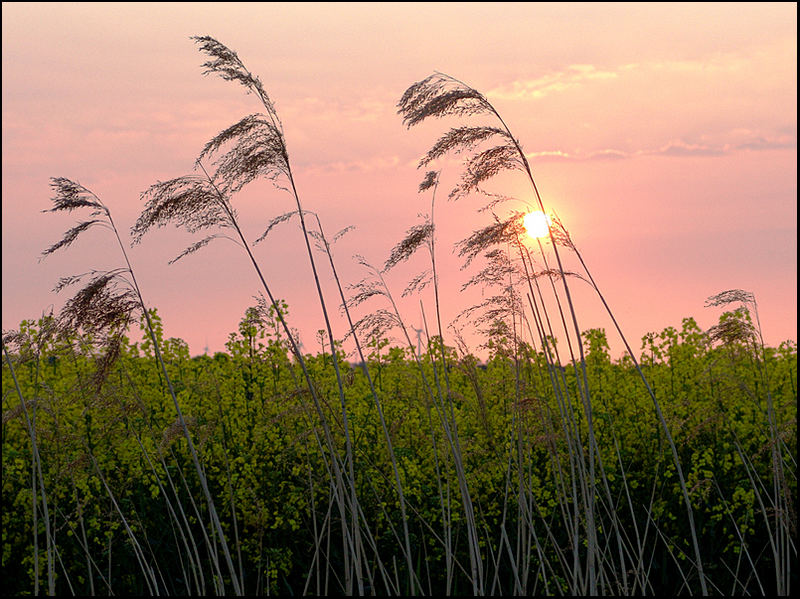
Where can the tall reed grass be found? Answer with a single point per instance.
(546, 470)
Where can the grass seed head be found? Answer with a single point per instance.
(439, 95)
(69, 195)
(190, 202)
(416, 237)
(730, 296)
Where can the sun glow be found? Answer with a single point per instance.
(537, 224)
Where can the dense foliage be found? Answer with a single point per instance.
(122, 499)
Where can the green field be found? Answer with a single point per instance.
(119, 507)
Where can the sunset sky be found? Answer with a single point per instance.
(663, 135)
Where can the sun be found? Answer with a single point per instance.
(537, 224)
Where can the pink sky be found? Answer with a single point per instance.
(664, 135)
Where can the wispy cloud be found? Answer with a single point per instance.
(578, 156)
(736, 141)
(762, 143)
(753, 142)
(377, 163)
(573, 76)
(608, 155)
(678, 147)
(561, 155)
(725, 66)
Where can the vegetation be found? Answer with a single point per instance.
(548, 468)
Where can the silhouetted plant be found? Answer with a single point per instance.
(253, 148)
(734, 329)
(495, 150)
(104, 307)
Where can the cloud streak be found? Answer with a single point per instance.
(580, 76)
(375, 164)
(674, 147)
(572, 77)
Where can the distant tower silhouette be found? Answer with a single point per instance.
(419, 341)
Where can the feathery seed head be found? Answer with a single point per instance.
(226, 63)
(560, 234)
(282, 218)
(190, 202)
(69, 195)
(418, 282)
(496, 271)
(376, 325)
(71, 235)
(498, 232)
(341, 233)
(431, 180)
(33, 341)
(485, 165)
(416, 236)
(196, 246)
(439, 95)
(364, 290)
(732, 295)
(460, 139)
(104, 306)
(255, 148)
(733, 327)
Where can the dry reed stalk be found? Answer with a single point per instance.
(441, 95)
(104, 307)
(254, 148)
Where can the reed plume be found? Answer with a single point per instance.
(255, 148)
(106, 304)
(441, 95)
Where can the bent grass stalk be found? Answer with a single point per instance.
(387, 437)
(687, 501)
(268, 155)
(615, 520)
(780, 539)
(258, 150)
(442, 95)
(347, 536)
(378, 286)
(36, 476)
(416, 237)
(70, 196)
(181, 521)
